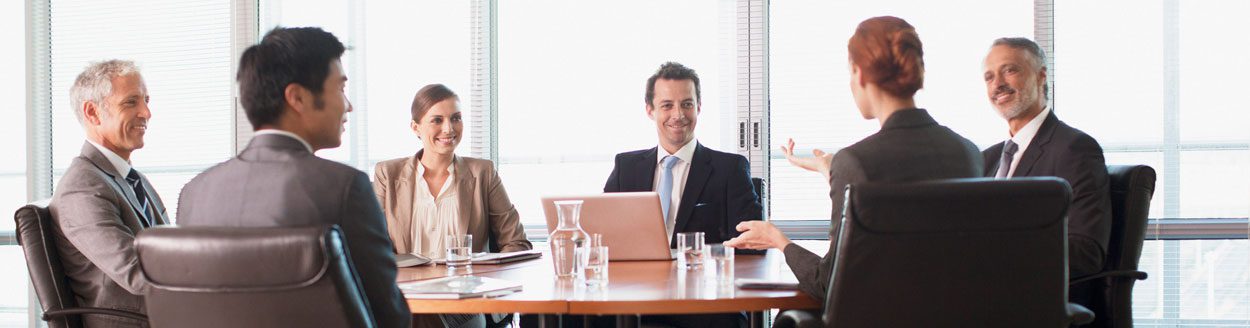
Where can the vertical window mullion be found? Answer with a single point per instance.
(484, 111)
(752, 88)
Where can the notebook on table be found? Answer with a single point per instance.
(410, 260)
(458, 287)
(500, 258)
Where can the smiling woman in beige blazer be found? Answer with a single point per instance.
(435, 192)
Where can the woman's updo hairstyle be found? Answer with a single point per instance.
(888, 52)
(429, 96)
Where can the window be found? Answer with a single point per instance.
(182, 49)
(13, 165)
(568, 106)
(811, 98)
(1153, 88)
(394, 48)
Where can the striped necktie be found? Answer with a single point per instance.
(136, 184)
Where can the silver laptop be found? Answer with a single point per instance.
(630, 222)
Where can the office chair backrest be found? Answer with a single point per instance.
(43, 260)
(965, 252)
(1132, 188)
(758, 185)
(250, 277)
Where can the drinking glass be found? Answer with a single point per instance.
(459, 251)
(690, 246)
(723, 258)
(597, 266)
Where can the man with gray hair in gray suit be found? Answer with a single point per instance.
(102, 202)
(292, 87)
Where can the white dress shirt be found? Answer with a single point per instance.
(1024, 137)
(122, 165)
(284, 133)
(680, 171)
(434, 217)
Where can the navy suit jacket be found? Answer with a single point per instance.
(1059, 150)
(718, 193)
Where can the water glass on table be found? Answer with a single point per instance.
(723, 258)
(690, 247)
(459, 251)
(596, 265)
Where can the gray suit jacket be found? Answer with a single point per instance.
(96, 217)
(910, 147)
(277, 182)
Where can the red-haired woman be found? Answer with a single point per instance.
(887, 68)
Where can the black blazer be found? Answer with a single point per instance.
(1059, 150)
(910, 147)
(718, 192)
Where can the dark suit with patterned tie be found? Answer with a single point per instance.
(97, 214)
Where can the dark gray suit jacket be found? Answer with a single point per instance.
(910, 147)
(96, 218)
(1059, 150)
(718, 193)
(278, 182)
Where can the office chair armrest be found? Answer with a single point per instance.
(1079, 315)
(93, 310)
(1138, 275)
(797, 319)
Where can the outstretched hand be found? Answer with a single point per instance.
(758, 235)
(819, 162)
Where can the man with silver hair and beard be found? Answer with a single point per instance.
(1042, 145)
(102, 202)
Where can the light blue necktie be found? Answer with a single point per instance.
(666, 185)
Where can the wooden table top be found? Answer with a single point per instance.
(634, 287)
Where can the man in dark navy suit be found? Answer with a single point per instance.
(1042, 145)
(701, 190)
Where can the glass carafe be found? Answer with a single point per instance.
(567, 239)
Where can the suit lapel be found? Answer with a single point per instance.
(1037, 146)
(465, 191)
(644, 169)
(992, 155)
(403, 202)
(119, 181)
(696, 178)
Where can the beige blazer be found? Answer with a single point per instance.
(485, 211)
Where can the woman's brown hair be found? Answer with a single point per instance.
(427, 97)
(888, 52)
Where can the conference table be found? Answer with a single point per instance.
(634, 288)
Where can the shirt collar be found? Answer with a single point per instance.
(122, 165)
(285, 133)
(1026, 133)
(451, 169)
(685, 153)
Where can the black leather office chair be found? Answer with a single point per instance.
(250, 277)
(1132, 187)
(952, 253)
(43, 261)
(758, 185)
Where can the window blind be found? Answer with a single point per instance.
(182, 48)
